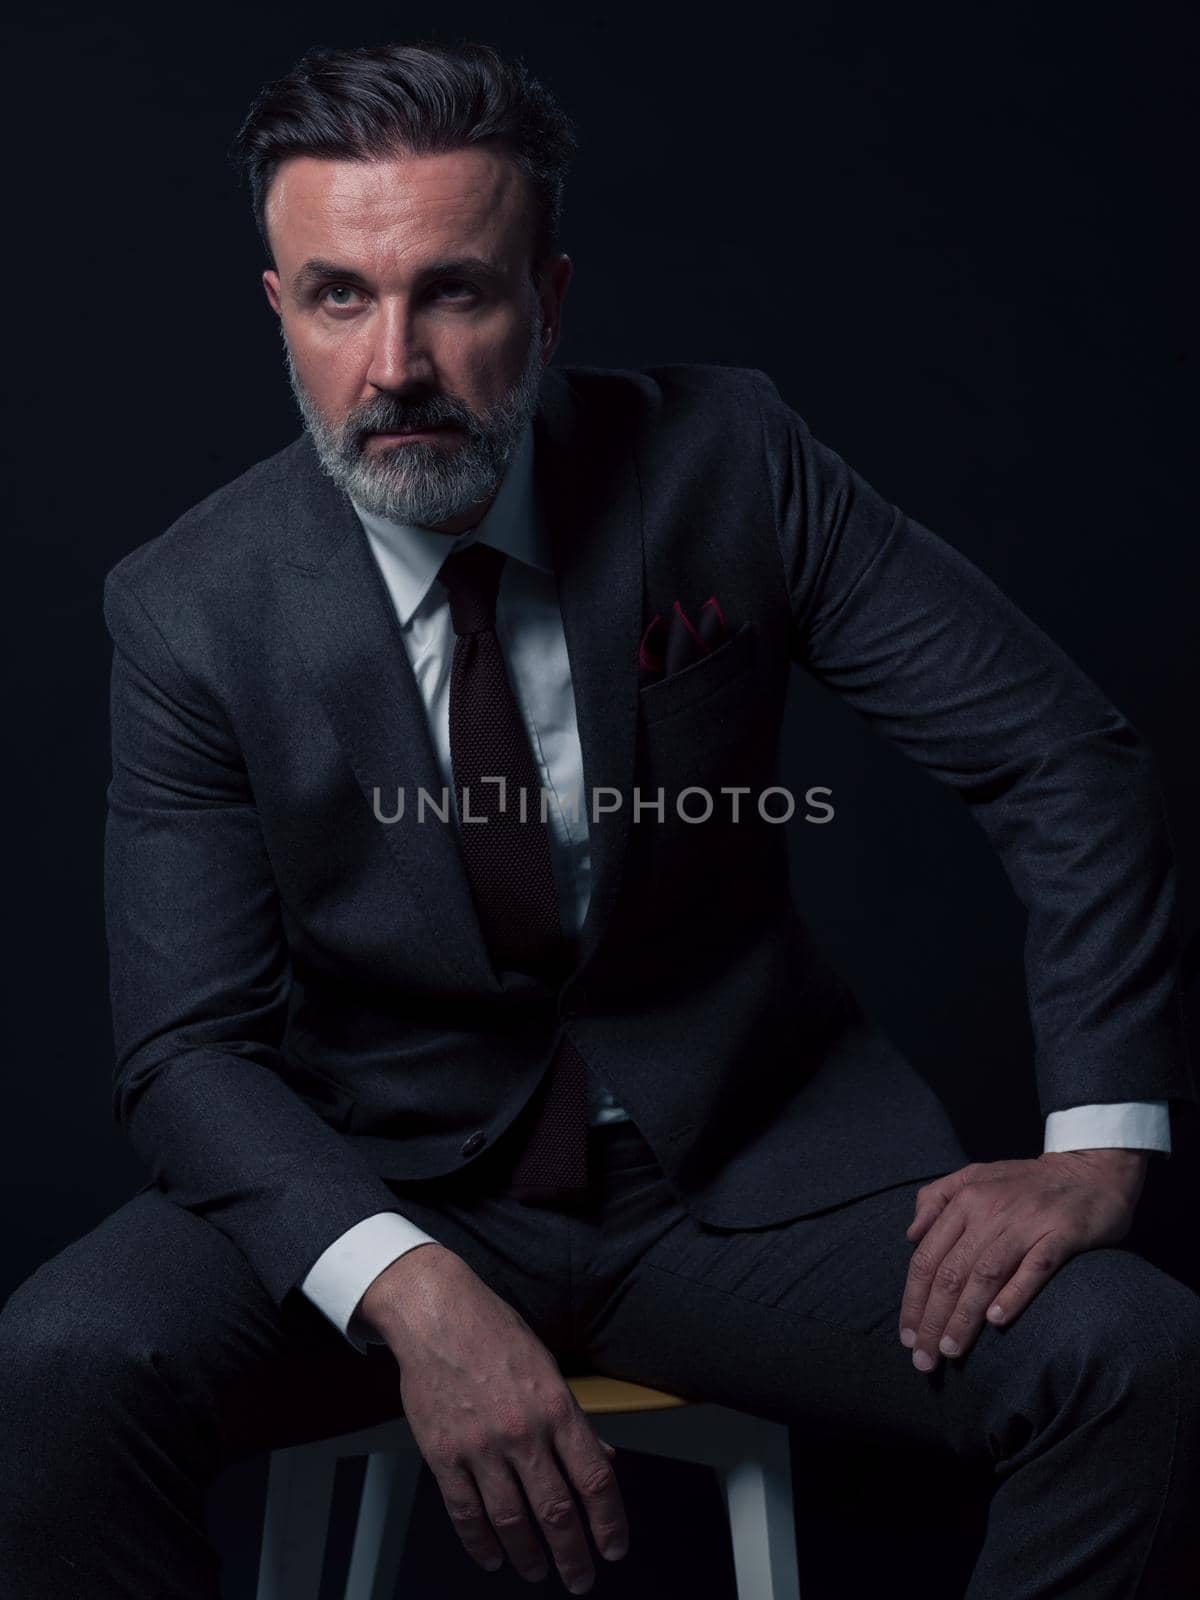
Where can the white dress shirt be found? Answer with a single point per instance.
(529, 628)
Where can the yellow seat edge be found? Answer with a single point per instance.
(597, 1393)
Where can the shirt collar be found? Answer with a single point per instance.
(512, 523)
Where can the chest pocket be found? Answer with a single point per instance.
(667, 697)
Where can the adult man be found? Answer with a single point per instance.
(353, 1044)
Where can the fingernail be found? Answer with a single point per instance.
(907, 1338)
(923, 1361)
(614, 1552)
(493, 1564)
(949, 1346)
(996, 1314)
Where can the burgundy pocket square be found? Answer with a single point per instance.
(668, 647)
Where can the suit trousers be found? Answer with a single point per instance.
(145, 1358)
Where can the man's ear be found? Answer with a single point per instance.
(553, 293)
(270, 280)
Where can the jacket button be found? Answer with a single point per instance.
(476, 1142)
(573, 1000)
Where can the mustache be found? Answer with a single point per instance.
(394, 419)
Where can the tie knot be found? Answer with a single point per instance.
(472, 575)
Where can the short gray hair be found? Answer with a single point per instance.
(417, 97)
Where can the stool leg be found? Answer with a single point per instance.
(762, 1527)
(389, 1490)
(299, 1497)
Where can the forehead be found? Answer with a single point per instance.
(397, 205)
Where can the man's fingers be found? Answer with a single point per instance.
(501, 1482)
(1041, 1261)
(922, 1270)
(494, 1519)
(967, 1283)
(975, 1275)
(933, 1198)
(1003, 1229)
(917, 1227)
(596, 1483)
(468, 1515)
(558, 1517)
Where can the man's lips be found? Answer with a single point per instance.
(411, 433)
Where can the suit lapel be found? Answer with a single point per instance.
(585, 475)
(347, 634)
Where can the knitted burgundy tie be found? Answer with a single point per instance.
(508, 861)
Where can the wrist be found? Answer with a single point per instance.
(1125, 1168)
(386, 1296)
(1120, 1156)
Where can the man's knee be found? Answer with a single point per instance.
(101, 1445)
(148, 1301)
(61, 1337)
(1122, 1320)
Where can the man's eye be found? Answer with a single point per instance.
(459, 284)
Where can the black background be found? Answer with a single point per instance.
(955, 238)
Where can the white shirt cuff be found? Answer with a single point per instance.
(1131, 1124)
(343, 1272)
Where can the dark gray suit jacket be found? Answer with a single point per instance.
(302, 1002)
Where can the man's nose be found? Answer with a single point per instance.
(400, 355)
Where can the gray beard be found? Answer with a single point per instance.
(423, 483)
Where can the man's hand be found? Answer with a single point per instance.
(991, 1234)
(490, 1411)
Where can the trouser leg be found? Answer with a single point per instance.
(135, 1366)
(1085, 1411)
(145, 1358)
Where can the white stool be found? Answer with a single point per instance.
(750, 1457)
